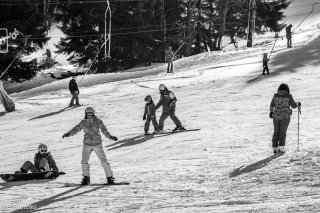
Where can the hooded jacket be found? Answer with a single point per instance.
(91, 131)
(52, 164)
(280, 105)
(149, 109)
(167, 100)
(73, 86)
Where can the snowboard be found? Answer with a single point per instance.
(27, 176)
(174, 132)
(96, 184)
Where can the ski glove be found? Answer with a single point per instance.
(66, 135)
(271, 115)
(144, 118)
(49, 175)
(299, 104)
(113, 138)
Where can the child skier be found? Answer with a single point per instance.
(91, 125)
(74, 91)
(43, 161)
(150, 115)
(265, 64)
(280, 112)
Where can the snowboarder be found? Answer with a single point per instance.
(168, 101)
(169, 59)
(74, 90)
(289, 36)
(91, 125)
(150, 115)
(265, 64)
(43, 161)
(280, 112)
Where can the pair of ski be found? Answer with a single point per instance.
(171, 132)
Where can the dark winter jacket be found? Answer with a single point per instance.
(167, 100)
(91, 131)
(73, 86)
(52, 164)
(149, 109)
(288, 32)
(280, 105)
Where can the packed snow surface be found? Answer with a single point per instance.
(227, 166)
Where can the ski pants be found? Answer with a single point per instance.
(289, 42)
(154, 122)
(29, 166)
(265, 68)
(165, 115)
(170, 67)
(280, 132)
(86, 151)
(74, 97)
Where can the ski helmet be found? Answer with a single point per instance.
(148, 98)
(162, 87)
(89, 110)
(42, 148)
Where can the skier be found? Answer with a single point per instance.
(91, 125)
(289, 36)
(265, 64)
(74, 90)
(169, 59)
(168, 102)
(43, 161)
(280, 112)
(150, 115)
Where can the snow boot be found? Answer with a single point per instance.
(85, 180)
(178, 128)
(110, 180)
(281, 150)
(146, 133)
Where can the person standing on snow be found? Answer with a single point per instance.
(150, 115)
(169, 59)
(168, 101)
(265, 64)
(74, 90)
(43, 161)
(280, 112)
(91, 125)
(289, 36)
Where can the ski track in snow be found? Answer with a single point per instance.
(224, 167)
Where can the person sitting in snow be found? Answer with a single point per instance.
(91, 126)
(43, 161)
(150, 115)
(169, 59)
(168, 102)
(280, 112)
(265, 64)
(74, 90)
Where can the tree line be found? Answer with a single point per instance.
(141, 30)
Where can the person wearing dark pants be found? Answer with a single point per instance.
(169, 59)
(265, 64)
(150, 115)
(74, 90)
(168, 103)
(289, 36)
(281, 112)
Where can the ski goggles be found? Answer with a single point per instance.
(90, 115)
(43, 151)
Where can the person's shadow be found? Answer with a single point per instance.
(56, 198)
(252, 167)
(50, 114)
(7, 185)
(134, 141)
(2, 113)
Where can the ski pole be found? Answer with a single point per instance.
(299, 112)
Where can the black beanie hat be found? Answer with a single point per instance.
(284, 87)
